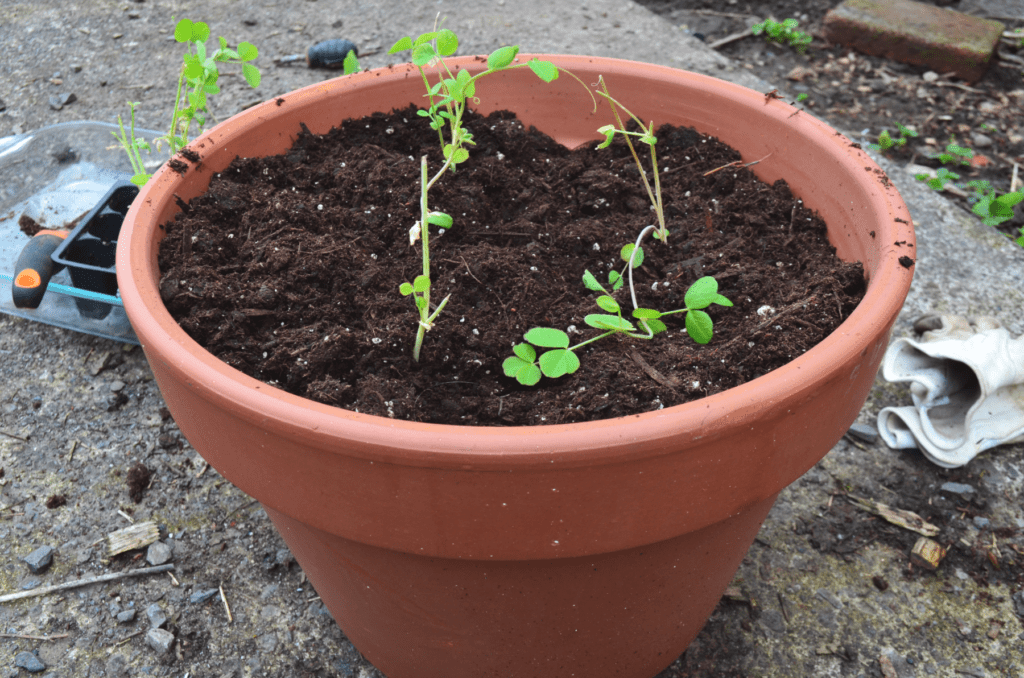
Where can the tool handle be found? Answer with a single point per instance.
(329, 53)
(35, 267)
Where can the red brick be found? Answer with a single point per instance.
(911, 32)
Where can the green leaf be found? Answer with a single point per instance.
(421, 283)
(421, 303)
(193, 66)
(247, 51)
(608, 304)
(422, 113)
(701, 293)
(424, 38)
(460, 154)
(140, 179)
(545, 70)
(512, 365)
(200, 31)
(211, 88)
(526, 352)
(615, 280)
(638, 258)
(559, 362)
(439, 219)
(609, 322)
(251, 74)
(528, 375)
(224, 54)
(609, 133)
(400, 46)
(656, 326)
(405, 289)
(423, 54)
(547, 337)
(590, 282)
(1010, 199)
(646, 313)
(447, 42)
(721, 301)
(350, 65)
(183, 31)
(502, 57)
(699, 326)
(466, 84)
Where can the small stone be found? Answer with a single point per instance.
(40, 559)
(202, 596)
(800, 73)
(126, 616)
(160, 640)
(868, 434)
(30, 583)
(981, 522)
(156, 616)
(158, 553)
(29, 662)
(116, 386)
(980, 140)
(930, 76)
(957, 488)
(1018, 603)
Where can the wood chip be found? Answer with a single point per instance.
(927, 554)
(134, 537)
(905, 519)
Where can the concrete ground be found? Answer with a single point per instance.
(826, 590)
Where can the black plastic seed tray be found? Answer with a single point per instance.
(89, 250)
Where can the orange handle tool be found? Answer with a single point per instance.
(34, 268)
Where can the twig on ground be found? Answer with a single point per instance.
(45, 590)
(224, 600)
(730, 38)
(127, 638)
(11, 435)
(1013, 179)
(26, 637)
(736, 163)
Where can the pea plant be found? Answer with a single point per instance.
(196, 81)
(561, 359)
(447, 99)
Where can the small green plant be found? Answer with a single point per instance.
(885, 140)
(351, 64)
(942, 177)
(561, 359)
(961, 155)
(196, 81)
(802, 97)
(994, 209)
(447, 99)
(785, 33)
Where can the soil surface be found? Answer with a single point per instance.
(288, 269)
(859, 92)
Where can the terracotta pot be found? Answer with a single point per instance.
(592, 549)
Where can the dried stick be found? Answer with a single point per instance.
(84, 582)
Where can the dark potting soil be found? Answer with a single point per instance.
(288, 269)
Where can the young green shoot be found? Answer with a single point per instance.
(645, 136)
(196, 81)
(526, 367)
(886, 141)
(447, 100)
(784, 33)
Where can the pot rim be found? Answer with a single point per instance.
(587, 443)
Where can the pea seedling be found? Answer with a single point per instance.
(447, 100)
(561, 359)
(197, 79)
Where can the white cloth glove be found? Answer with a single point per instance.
(967, 384)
